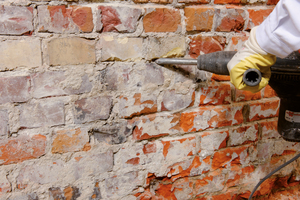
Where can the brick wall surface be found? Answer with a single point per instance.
(87, 114)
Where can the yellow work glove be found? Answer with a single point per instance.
(249, 57)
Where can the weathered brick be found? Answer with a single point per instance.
(239, 175)
(23, 147)
(215, 94)
(194, 1)
(114, 19)
(52, 83)
(153, 1)
(15, 20)
(154, 125)
(242, 95)
(5, 185)
(263, 109)
(121, 185)
(243, 135)
(130, 156)
(272, 2)
(257, 16)
(70, 140)
(173, 100)
(206, 44)
(199, 18)
(162, 20)
(227, 1)
(141, 77)
(236, 42)
(121, 49)
(230, 20)
(69, 192)
(211, 141)
(137, 104)
(44, 113)
(20, 53)
(63, 19)
(212, 182)
(179, 148)
(269, 130)
(211, 117)
(269, 92)
(91, 109)
(225, 158)
(4, 129)
(71, 51)
(14, 89)
(171, 46)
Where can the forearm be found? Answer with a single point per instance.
(279, 34)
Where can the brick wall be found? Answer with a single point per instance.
(87, 114)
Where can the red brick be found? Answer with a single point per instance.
(179, 148)
(257, 16)
(155, 125)
(199, 18)
(149, 148)
(205, 44)
(16, 20)
(238, 175)
(61, 18)
(264, 109)
(137, 105)
(269, 129)
(227, 1)
(14, 89)
(212, 182)
(194, 1)
(211, 117)
(162, 20)
(71, 140)
(269, 92)
(236, 42)
(225, 158)
(153, 1)
(215, 94)
(242, 95)
(216, 77)
(21, 148)
(272, 2)
(230, 20)
(113, 19)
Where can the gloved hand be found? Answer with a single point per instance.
(250, 56)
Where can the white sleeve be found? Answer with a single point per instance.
(279, 34)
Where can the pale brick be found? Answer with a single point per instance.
(212, 182)
(137, 104)
(173, 100)
(91, 109)
(23, 147)
(70, 140)
(263, 109)
(211, 141)
(5, 185)
(243, 135)
(62, 19)
(121, 185)
(20, 53)
(114, 133)
(122, 76)
(230, 20)
(43, 113)
(15, 20)
(71, 51)
(171, 46)
(215, 94)
(52, 83)
(4, 129)
(118, 19)
(14, 89)
(121, 49)
(199, 18)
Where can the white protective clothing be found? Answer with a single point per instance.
(279, 34)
